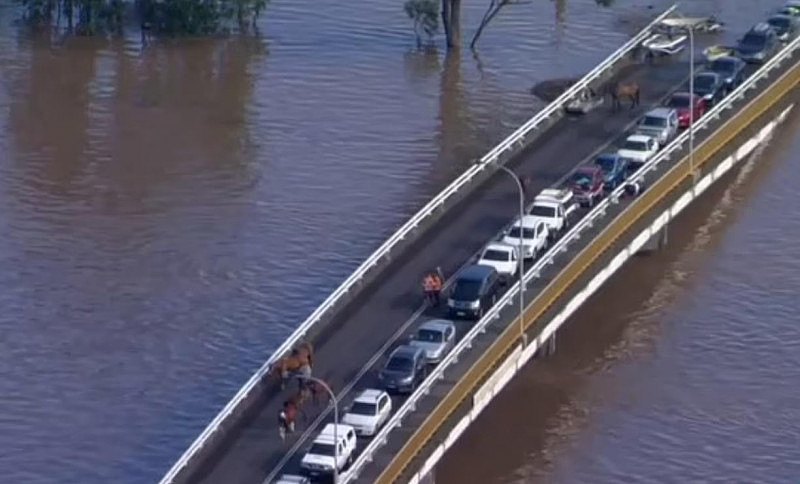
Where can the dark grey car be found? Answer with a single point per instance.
(758, 44)
(731, 69)
(784, 25)
(404, 370)
(710, 86)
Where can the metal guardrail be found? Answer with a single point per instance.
(386, 248)
(573, 235)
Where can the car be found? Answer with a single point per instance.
(404, 369)
(758, 44)
(368, 412)
(587, 185)
(731, 69)
(586, 100)
(614, 169)
(689, 107)
(501, 256)
(321, 459)
(474, 291)
(554, 206)
(659, 123)
(710, 86)
(638, 148)
(534, 234)
(785, 26)
(436, 338)
(293, 479)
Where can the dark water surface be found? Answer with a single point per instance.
(685, 368)
(168, 216)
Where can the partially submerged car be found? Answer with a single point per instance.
(586, 100)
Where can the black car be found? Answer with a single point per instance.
(758, 44)
(404, 370)
(731, 69)
(710, 86)
(783, 25)
(474, 291)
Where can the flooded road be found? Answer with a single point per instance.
(684, 368)
(169, 215)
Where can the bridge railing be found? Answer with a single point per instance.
(573, 235)
(467, 178)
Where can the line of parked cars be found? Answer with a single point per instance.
(476, 288)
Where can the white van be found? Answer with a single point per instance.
(319, 460)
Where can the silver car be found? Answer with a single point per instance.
(436, 338)
(659, 123)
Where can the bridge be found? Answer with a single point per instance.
(380, 303)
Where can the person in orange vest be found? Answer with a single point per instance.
(437, 287)
(428, 285)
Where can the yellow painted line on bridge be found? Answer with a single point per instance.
(671, 180)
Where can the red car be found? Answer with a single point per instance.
(680, 101)
(587, 184)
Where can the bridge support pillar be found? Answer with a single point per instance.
(550, 346)
(657, 241)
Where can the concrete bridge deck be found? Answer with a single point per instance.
(349, 352)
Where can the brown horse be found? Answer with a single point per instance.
(630, 90)
(299, 362)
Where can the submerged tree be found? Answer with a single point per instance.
(425, 15)
(189, 17)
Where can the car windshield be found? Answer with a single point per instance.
(606, 164)
(704, 83)
(582, 178)
(430, 336)
(399, 363)
(654, 121)
(321, 449)
(527, 232)
(726, 66)
(466, 290)
(634, 145)
(363, 408)
(753, 40)
(679, 102)
(781, 23)
(543, 211)
(498, 255)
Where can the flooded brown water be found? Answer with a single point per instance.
(168, 215)
(684, 368)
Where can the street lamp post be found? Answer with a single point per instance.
(335, 425)
(691, 97)
(520, 251)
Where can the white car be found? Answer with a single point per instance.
(553, 207)
(320, 460)
(369, 411)
(534, 235)
(638, 148)
(502, 257)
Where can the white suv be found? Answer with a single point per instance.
(534, 235)
(319, 460)
(501, 256)
(369, 411)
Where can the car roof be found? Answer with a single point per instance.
(587, 169)
(437, 325)
(781, 16)
(639, 137)
(707, 74)
(407, 351)
(326, 435)
(659, 112)
(476, 272)
(681, 94)
(760, 28)
(370, 395)
(728, 58)
(499, 246)
(528, 221)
